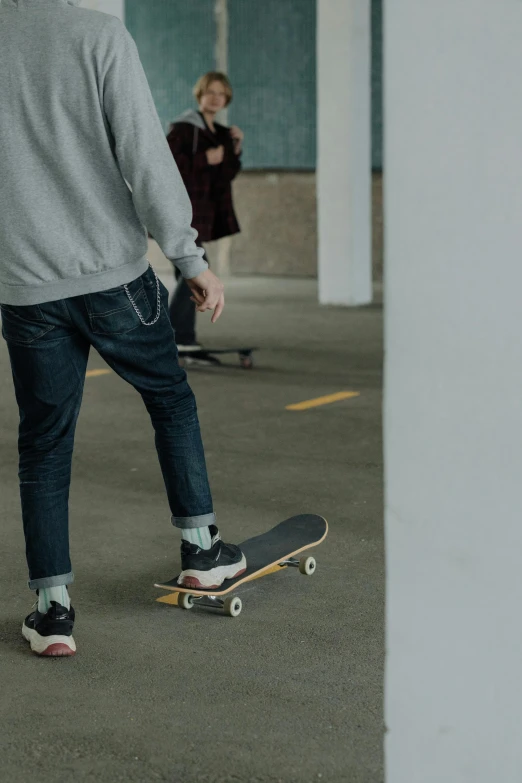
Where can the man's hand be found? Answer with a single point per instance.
(208, 293)
(237, 137)
(215, 155)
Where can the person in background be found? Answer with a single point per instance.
(209, 157)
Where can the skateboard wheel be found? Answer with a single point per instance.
(232, 606)
(246, 362)
(185, 601)
(307, 565)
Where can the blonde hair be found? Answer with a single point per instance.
(204, 82)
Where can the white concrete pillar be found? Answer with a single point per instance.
(344, 151)
(453, 409)
(221, 46)
(224, 245)
(113, 7)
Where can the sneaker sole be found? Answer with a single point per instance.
(51, 646)
(211, 580)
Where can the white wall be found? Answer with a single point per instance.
(113, 7)
(344, 151)
(453, 400)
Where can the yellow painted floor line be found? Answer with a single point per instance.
(95, 373)
(303, 406)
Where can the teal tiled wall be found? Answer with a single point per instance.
(377, 117)
(176, 40)
(271, 65)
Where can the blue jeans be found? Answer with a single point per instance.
(49, 347)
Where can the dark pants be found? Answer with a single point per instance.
(49, 348)
(183, 312)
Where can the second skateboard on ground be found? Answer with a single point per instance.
(209, 356)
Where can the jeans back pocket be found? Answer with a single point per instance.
(111, 312)
(23, 324)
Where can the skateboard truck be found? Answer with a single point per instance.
(306, 565)
(232, 605)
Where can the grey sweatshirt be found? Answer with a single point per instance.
(84, 162)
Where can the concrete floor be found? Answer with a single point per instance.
(289, 692)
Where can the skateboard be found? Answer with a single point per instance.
(265, 554)
(246, 360)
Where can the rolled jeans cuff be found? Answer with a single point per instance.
(188, 523)
(51, 581)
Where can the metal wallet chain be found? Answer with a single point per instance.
(136, 308)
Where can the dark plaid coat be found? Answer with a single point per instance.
(209, 187)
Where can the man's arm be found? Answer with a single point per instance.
(145, 160)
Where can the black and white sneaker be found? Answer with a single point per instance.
(201, 359)
(50, 633)
(208, 568)
(190, 348)
(196, 354)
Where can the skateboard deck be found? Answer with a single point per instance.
(246, 359)
(265, 554)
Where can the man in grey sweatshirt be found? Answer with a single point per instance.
(85, 171)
